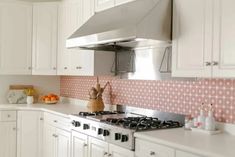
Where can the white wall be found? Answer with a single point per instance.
(44, 84)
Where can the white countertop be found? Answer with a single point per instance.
(220, 145)
(59, 109)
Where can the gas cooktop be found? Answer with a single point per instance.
(118, 127)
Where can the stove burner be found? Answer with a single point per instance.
(99, 113)
(143, 123)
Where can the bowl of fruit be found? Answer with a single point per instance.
(50, 99)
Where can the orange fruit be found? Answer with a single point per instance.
(53, 98)
(47, 99)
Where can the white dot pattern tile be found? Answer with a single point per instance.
(171, 96)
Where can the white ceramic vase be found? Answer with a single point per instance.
(29, 99)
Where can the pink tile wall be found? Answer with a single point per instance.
(170, 96)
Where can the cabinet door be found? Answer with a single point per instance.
(69, 19)
(192, 38)
(63, 142)
(45, 22)
(184, 154)
(101, 5)
(149, 149)
(8, 139)
(119, 2)
(49, 141)
(29, 135)
(97, 148)
(224, 41)
(15, 37)
(79, 145)
(116, 151)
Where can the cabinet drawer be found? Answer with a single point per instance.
(7, 116)
(58, 121)
(149, 149)
(184, 154)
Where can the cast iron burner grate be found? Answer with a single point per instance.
(143, 123)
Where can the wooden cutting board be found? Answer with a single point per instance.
(20, 87)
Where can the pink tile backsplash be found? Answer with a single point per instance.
(171, 96)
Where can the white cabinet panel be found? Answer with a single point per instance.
(192, 42)
(184, 154)
(224, 42)
(116, 151)
(63, 141)
(8, 139)
(148, 149)
(79, 145)
(103, 4)
(45, 23)
(29, 135)
(119, 2)
(97, 148)
(15, 37)
(49, 143)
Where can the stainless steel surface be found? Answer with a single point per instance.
(97, 127)
(164, 116)
(141, 23)
(147, 64)
(93, 131)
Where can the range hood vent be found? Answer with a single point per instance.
(141, 23)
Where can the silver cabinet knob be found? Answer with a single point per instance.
(105, 153)
(85, 145)
(41, 119)
(208, 63)
(152, 153)
(8, 116)
(214, 63)
(54, 68)
(55, 121)
(110, 155)
(78, 67)
(30, 68)
(14, 129)
(65, 68)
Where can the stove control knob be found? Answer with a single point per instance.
(118, 136)
(76, 123)
(100, 131)
(86, 127)
(105, 133)
(124, 138)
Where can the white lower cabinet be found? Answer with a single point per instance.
(29, 134)
(56, 142)
(116, 151)
(184, 154)
(7, 139)
(98, 148)
(79, 145)
(148, 149)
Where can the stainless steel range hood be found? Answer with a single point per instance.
(141, 23)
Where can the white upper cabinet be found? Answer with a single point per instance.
(30, 133)
(203, 40)
(224, 41)
(15, 37)
(72, 14)
(45, 23)
(101, 5)
(192, 38)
